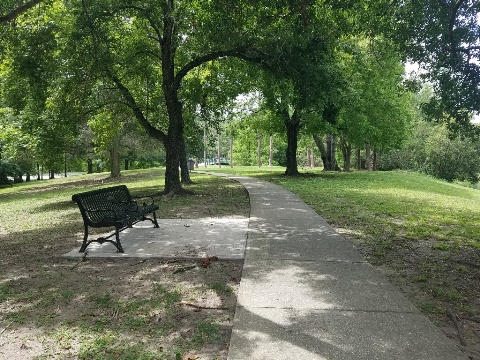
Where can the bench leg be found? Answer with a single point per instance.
(155, 220)
(117, 244)
(85, 237)
(102, 239)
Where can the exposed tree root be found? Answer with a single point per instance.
(456, 320)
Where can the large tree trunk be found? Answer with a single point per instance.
(346, 153)
(359, 159)
(184, 173)
(292, 123)
(329, 153)
(333, 153)
(375, 160)
(115, 159)
(89, 166)
(323, 151)
(172, 173)
(368, 159)
(174, 138)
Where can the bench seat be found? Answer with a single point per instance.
(112, 207)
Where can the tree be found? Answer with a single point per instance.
(377, 108)
(442, 36)
(149, 52)
(173, 38)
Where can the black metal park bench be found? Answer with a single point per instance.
(112, 207)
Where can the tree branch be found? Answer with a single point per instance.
(149, 52)
(19, 10)
(240, 52)
(124, 91)
(451, 25)
(131, 103)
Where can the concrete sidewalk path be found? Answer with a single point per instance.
(307, 293)
(177, 238)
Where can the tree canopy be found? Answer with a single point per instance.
(164, 62)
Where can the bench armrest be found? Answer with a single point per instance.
(129, 205)
(149, 198)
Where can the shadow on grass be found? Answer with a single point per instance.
(110, 308)
(99, 307)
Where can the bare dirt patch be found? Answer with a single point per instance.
(118, 308)
(53, 307)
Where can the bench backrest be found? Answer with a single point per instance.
(115, 198)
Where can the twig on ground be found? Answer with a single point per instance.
(458, 325)
(83, 259)
(6, 327)
(203, 307)
(184, 268)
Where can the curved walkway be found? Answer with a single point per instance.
(307, 293)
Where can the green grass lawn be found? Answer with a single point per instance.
(394, 206)
(423, 233)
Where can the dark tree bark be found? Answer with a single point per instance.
(13, 14)
(27, 177)
(368, 158)
(292, 123)
(359, 159)
(328, 152)
(323, 151)
(346, 153)
(333, 154)
(89, 166)
(375, 160)
(115, 159)
(184, 173)
(126, 164)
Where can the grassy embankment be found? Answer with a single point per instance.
(423, 233)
